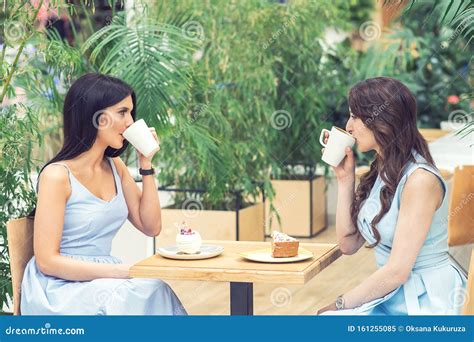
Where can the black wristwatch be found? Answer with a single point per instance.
(146, 172)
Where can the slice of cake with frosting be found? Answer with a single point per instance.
(188, 240)
(283, 245)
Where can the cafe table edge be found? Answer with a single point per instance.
(219, 274)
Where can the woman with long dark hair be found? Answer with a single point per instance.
(399, 209)
(85, 194)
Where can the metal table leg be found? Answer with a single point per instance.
(241, 299)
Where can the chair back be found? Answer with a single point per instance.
(468, 308)
(20, 247)
(461, 207)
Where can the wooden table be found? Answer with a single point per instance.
(241, 273)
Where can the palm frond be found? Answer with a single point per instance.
(152, 58)
(458, 14)
(467, 130)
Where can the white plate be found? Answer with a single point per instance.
(206, 252)
(265, 255)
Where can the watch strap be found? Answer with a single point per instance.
(146, 172)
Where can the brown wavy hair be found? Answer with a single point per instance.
(388, 109)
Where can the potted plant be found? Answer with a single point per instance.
(311, 77)
(218, 192)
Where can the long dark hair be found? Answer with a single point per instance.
(87, 97)
(388, 109)
(83, 105)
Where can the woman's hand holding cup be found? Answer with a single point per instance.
(340, 147)
(145, 140)
(145, 162)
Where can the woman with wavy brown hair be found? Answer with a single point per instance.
(399, 209)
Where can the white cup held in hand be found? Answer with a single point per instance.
(335, 148)
(139, 135)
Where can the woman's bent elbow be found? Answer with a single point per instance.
(155, 231)
(44, 267)
(347, 248)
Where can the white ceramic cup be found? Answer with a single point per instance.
(334, 149)
(139, 135)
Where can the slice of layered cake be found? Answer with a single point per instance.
(284, 246)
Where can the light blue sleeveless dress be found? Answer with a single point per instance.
(90, 224)
(436, 286)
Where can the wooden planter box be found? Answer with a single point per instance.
(301, 205)
(246, 224)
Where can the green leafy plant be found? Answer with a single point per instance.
(311, 84)
(430, 60)
(44, 66)
(232, 96)
(454, 13)
(18, 136)
(253, 56)
(151, 57)
(18, 131)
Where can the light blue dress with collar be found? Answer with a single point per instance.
(90, 224)
(435, 286)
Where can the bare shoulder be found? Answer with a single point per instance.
(54, 173)
(424, 185)
(55, 178)
(120, 166)
(423, 179)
